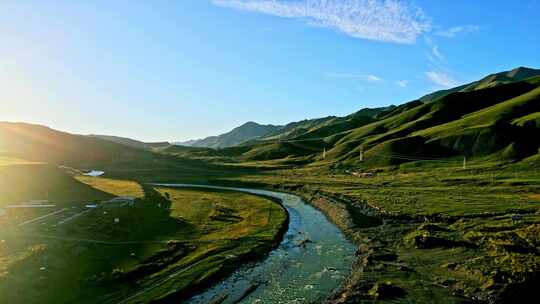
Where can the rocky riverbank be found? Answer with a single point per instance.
(481, 258)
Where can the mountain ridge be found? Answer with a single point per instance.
(247, 131)
(131, 142)
(495, 116)
(506, 105)
(516, 74)
(41, 143)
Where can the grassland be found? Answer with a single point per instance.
(227, 227)
(10, 161)
(431, 230)
(25, 181)
(167, 244)
(113, 186)
(435, 231)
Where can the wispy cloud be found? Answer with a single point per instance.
(441, 79)
(402, 83)
(453, 31)
(344, 75)
(366, 77)
(380, 20)
(373, 78)
(437, 53)
(438, 73)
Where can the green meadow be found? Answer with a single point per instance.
(438, 232)
(108, 254)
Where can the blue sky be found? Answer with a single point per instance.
(176, 70)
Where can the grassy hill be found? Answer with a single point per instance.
(132, 142)
(325, 126)
(495, 117)
(238, 135)
(517, 74)
(491, 129)
(21, 183)
(40, 143)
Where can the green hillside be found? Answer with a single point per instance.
(248, 131)
(517, 74)
(294, 129)
(39, 143)
(20, 183)
(495, 117)
(132, 142)
(491, 129)
(326, 126)
(530, 121)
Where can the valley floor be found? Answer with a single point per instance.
(429, 234)
(160, 244)
(425, 233)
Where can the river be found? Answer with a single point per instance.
(313, 260)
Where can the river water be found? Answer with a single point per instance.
(313, 260)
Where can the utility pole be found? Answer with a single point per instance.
(464, 162)
(324, 153)
(361, 154)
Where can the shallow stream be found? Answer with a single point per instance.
(313, 260)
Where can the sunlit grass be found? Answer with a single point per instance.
(8, 161)
(25, 182)
(44, 257)
(113, 186)
(224, 215)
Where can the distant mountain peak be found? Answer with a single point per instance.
(250, 123)
(247, 131)
(522, 72)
